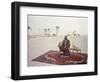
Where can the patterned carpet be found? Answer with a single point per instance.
(55, 57)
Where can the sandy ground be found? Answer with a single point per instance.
(40, 45)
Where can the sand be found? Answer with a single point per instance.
(39, 45)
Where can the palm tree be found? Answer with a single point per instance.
(48, 31)
(57, 28)
(45, 30)
(68, 34)
(78, 34)
(29, 28)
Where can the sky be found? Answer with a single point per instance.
(66, 24)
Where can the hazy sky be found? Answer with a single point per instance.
(66, 24)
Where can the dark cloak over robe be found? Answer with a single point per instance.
(64, 46)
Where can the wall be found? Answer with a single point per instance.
(5, 40)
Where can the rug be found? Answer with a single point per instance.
(55, 57)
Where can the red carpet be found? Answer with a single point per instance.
(54, 57)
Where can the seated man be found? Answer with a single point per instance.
(64, 46)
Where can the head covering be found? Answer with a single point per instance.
(65, 37)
